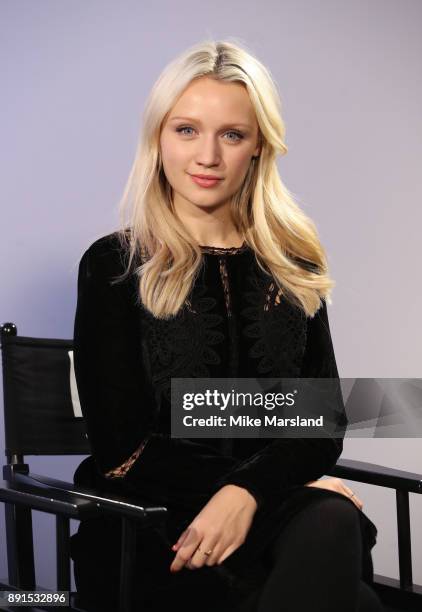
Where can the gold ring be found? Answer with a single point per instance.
(208, 552)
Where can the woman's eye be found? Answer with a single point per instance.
(181, 129)
(237, 134)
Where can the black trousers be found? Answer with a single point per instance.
(309, 554)
(315, 563)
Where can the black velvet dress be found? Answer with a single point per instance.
(234, 323)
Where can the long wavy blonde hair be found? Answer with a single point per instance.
(285, 240)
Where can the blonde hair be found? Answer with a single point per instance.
(284, 239)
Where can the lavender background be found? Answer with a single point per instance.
(75, 76)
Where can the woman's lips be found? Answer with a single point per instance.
(205, 182)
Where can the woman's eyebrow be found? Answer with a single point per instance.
(246, 125)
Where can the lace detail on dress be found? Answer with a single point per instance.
(277, 327)
(268, 297)
(121, 470)
(223, 250)
(225, 281)
(182, 347)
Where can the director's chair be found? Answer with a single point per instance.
(42, 417)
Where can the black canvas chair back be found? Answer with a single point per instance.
(42, 416)
(41, 408)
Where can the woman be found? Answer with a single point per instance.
(216, 272)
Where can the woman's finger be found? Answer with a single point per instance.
(229, 550)
(186, 550)
(336, 484)
(200, 558)
(353, 497)
(181, 539)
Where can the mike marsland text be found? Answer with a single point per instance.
(247, 421)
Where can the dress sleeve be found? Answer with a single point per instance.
(286, 462)
(116, 399)
(108, 366)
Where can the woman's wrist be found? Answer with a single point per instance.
(250, 499)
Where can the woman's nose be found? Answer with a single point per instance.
(208, 152)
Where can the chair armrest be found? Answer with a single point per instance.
(380, 475)
(55, 493)
(110, 504)
(46, 501)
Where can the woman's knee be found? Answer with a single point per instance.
(368, 599)
(327, 524)
(337, 514)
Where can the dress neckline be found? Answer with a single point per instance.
(212, 250)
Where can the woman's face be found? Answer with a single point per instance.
(211, 130)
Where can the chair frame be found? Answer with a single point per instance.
(22, 491)
(392, 591)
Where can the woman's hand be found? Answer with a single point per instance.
(220, 527)
(336, 484)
